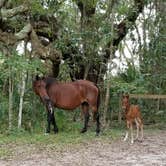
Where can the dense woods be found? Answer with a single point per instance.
(119, 45)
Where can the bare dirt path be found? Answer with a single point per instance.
(151, 152)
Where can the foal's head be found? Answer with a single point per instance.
(125, 102)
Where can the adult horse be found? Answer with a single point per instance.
(68, 96)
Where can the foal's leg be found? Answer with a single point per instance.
(141, 126)
(85, 108)
(142, 133)
(131, 130)
(54, 123)
(127, 131)
(137, 125)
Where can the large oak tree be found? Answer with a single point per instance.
(41, 24)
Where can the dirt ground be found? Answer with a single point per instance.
(150, 152)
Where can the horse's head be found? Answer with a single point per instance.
(125, 101)
(39, 87)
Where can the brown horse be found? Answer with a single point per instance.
(132, 114)
(68, 96)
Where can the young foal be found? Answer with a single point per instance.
(132, 114)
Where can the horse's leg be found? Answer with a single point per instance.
(97, 123)
(85, 109)
(54, 123)
(96, 117)
(48, 122)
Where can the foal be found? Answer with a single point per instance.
(132, 114)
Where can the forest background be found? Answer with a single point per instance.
(120, 45)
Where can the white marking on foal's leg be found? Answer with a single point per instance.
(127, 132)
(126, 136)
(132, 137)
(142, 134)
(137, 125)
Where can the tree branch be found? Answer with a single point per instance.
(7, 38)
(24, 32)
(8, 13)
(2, 2)
(125, 25)
(122, 28)
(44, 52)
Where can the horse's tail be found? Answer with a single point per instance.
(97, 116)
(98, 97)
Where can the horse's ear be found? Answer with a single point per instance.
(123, 95)
(43, 78)
(127, 95)
(37, 78)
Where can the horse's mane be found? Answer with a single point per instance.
(49, 81)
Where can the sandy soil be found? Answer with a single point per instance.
(150, 152)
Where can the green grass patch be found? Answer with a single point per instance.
(24, 143)
(60, 138)
(4, 153)
(11, 144)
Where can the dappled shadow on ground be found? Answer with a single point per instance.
(98, 152)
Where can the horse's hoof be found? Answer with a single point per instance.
(136, 140)
(124, 140)
(132, 142)
(83, 130)
(97, 134)
(140, 140)
(56, 131)
(46, 133)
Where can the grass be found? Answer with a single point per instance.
(60, 138)
(18, 143)
(11, 144)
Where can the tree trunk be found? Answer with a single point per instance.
(108, 75)
(86, 71)
(120, 111)
(10, 113)
(22, 90)
(106, 103)
(21, 99)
